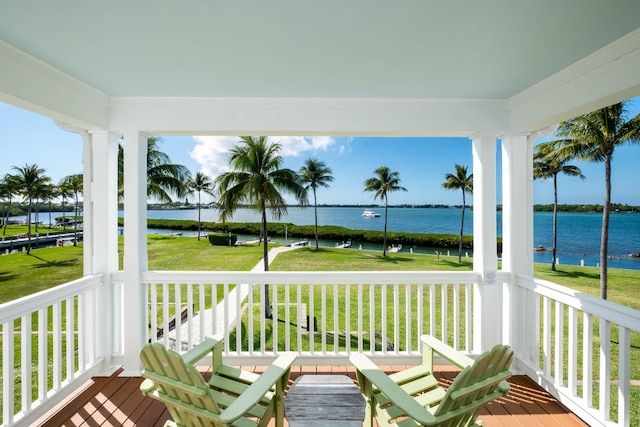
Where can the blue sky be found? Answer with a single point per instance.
(422, 162)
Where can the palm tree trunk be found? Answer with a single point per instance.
(75, 223)
(199, 223)
(315, 208)
(384, 248)
(604, 239)
(29, 227)
(265, 257)
(6, 218)
(555, 222)
(464, 202)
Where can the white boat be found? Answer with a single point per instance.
(370, 214)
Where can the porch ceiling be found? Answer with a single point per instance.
(359, 49)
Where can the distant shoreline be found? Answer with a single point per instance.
(576, 208)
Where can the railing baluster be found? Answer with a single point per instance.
(8, 372)
(25, 361)
(396, 317)
(572, 369)
(383, 317)
(432, 309)
(605, 368)
(347, 317)
(42, 354)
(360, 322)
(323, 290)
(274, 321)
(587, 359)
(165, 314)
(238, 309)
(546, 336)
(336, 321)
(250, 311)
(153, 309)
(559, 344)
(456, 316)
(299, 318)
(372, 319)
(408, 315)
(70, 336)
(624, 376)
(287, 318)
(202, 311)
(444, 309)
(56, 319)
(311, 319)
(189, 315)
(420, 309)
(177, 314)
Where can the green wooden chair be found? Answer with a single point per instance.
(413, 397)
(232, 397)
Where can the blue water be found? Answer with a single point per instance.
(578, 233)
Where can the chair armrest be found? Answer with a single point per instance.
(390, 389)
(446, 351)
(201, 350)
(256, 391)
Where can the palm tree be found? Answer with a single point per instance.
(381, 185)
(547, 163)
(74, 184)
(460, 181)
(8, 189)
(314, 174)
(200, 183)
(163, 177)
(48, 195)
(258, 179)
(64, 192)
(594, 137)
(30, 178)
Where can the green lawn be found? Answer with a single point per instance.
(22, 274)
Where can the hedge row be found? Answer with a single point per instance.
(325, 232)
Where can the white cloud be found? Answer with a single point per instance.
(211, 152)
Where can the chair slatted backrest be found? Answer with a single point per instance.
(475, 386)
(179, 385)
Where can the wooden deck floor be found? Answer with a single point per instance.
(116, 401)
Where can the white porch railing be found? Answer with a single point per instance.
(321, 316)
(578, 347)
(48, 348)
(581, 348)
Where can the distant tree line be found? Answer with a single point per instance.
(615, 207)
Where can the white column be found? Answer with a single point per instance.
(517, 204)
(488, 295)
(517, 231)
(135, 249)
(101, 224)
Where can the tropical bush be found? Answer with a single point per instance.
(222, 239)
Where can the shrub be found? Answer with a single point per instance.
(222, 239)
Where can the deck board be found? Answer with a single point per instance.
(117, 401)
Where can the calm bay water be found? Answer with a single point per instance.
(578, 233)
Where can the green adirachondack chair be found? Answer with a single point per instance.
(232, 397)
(413, 397)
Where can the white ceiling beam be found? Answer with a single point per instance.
(289, 116)
(29, 83)
(603, 78)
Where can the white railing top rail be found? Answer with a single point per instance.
(315, 277)
(616, 313)
(26, 305)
